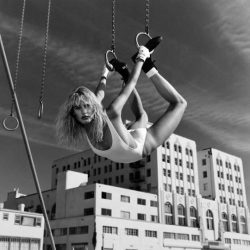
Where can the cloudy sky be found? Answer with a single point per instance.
(205, 54)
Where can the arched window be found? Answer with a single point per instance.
(181, 215)
(193, 217)
(243, 225)
(210, 220)
(168, 209)
(234, 223)
(225, 221)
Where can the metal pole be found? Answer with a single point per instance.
(26, 142)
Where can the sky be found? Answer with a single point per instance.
(205, 54)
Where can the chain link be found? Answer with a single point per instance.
(147, 3)
(20, 36)
(44, 61)
(113, 26)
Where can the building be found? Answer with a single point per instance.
(154, 203)
(20, 229)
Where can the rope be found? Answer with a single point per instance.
(20, 36)
(147, 3)
(113, 26)
(40, 111)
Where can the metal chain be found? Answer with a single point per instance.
(40, 112)
(147, 2)
(113, 26)
(20, 36)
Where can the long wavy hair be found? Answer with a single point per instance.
(69, 130)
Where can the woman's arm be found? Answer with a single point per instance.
(100, 89)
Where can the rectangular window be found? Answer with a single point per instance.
(79, 230)
(153, 203)
(141, 201)
(150, 233)
(17, 219)
(182, 236)
(148, 172)
(125, 214)
(88, 211)
(5, 216)
(125, 198)
(106, 212)
(154, 218)
(205, 186)
(107, 196)
(204, 162)
(204, 174)
(110, 230)
(168, 235)
(141, 216)
(131, 231)
(89, 195)
(38, 222)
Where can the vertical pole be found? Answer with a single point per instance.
(26, 142)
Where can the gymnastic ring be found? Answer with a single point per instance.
(108, 64)
(137, 37)
(12, 118)
(40, 110)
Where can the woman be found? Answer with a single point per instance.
(82, 117)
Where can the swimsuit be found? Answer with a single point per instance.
(119, 150)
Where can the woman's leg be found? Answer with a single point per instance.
(168, 122)
(134, 99)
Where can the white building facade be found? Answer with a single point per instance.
(155, 203)
(20, 229)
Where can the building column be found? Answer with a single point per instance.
(187, 210)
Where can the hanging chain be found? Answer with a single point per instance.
(147, 2)
(40, 111)
(20, 36)
(113, 26)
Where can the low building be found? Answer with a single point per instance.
(20, 229)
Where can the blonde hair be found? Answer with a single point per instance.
(69, 130)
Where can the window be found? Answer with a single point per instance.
(125, 198)
(193, 217)
(204, 162)
(195, 237)
(181, 215)
(243, 225)
(110, 230)
(18, 219)
(125, 215)
(131, 231)
(154, 218)
(225, 222)
(204, 174)
(79, 230)
(150, 233)
(168, 235)
(141, 216)
(5, 216)
(182, 236)
(205, 186)
(148, 172)
(210, 220)
(88, 211)
(89, 195)
(106, 212)
(141, 201)
(107, 196)
(153, 203)
(38, 222)
(234, 223)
